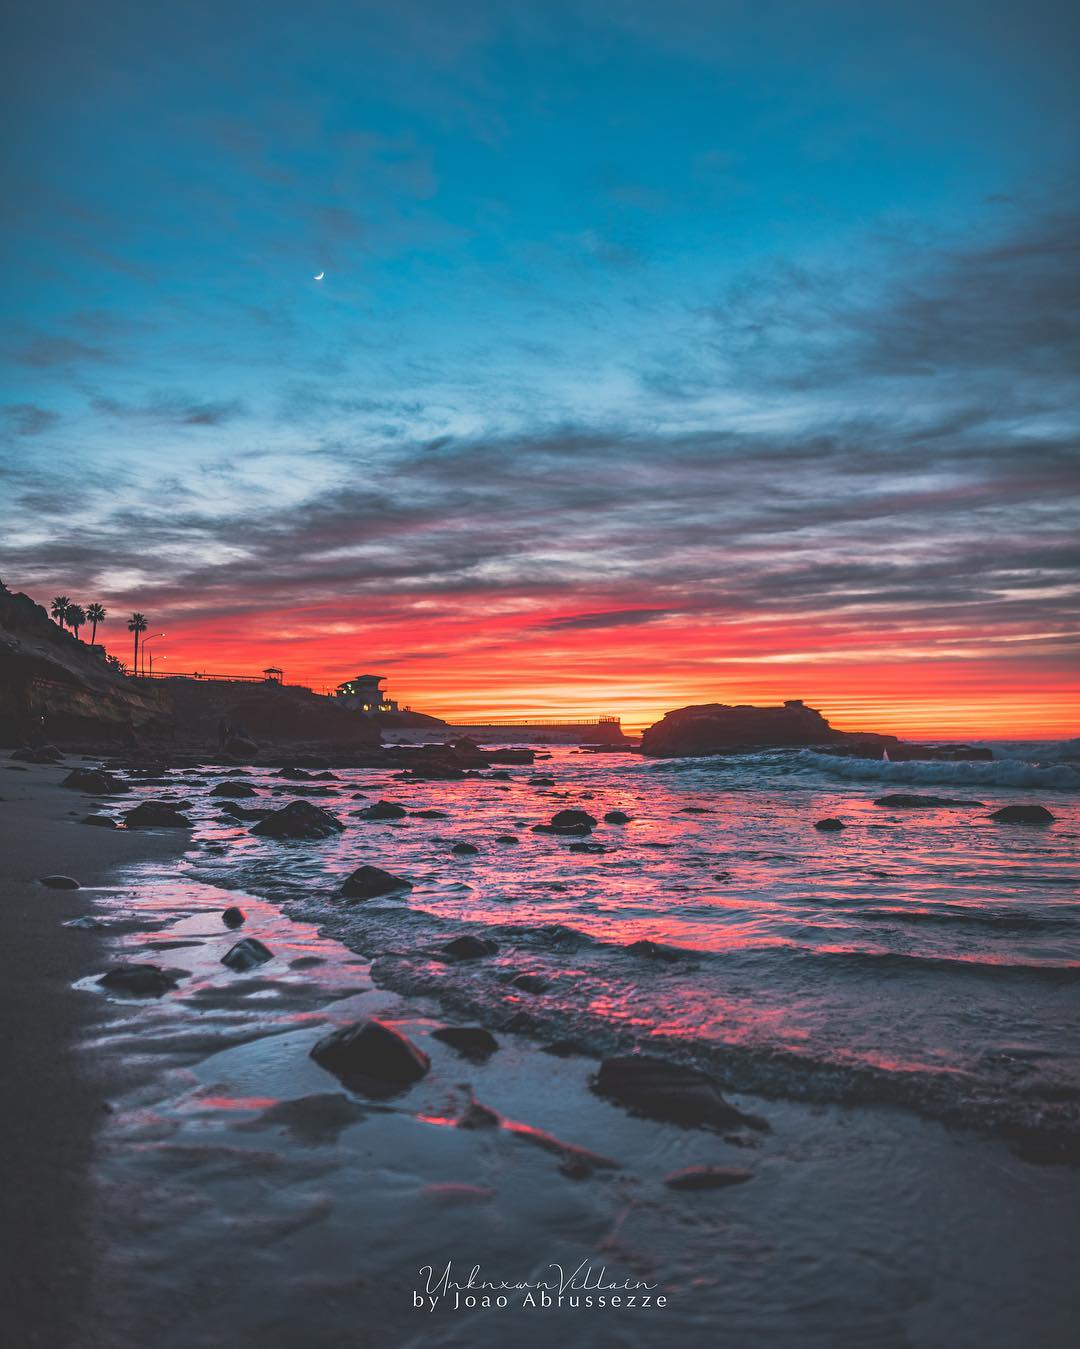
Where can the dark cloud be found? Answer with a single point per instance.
(614, 618)
(170, 409)
(27, 419)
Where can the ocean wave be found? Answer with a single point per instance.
(1043, 1124)
(998, 773)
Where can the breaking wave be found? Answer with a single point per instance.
(998, 773)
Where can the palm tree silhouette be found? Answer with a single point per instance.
(137, 623)
(95, 614)
(59, 607)
(76, 616)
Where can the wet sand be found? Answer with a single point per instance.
(54, 1095)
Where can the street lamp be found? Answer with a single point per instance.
(145, 646)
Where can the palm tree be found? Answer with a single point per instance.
(76, 616)
(137, 623)
(95, 614)
(60, 605)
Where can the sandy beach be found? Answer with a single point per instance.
(57, 1092)
(186, 1175)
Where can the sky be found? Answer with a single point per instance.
(665, 353)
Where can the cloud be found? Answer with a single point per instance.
(613, 618)
(170, 409)
(27, 419)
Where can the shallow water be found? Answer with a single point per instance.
(929, 957)
(921, 959)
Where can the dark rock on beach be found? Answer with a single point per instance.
(156, 814)
(40, 754)
(1022, 815)
(102, 821)
(234, 789)
(472, 1041)
(299, 819)
(372, 1057)
(59, 882)
(830, 825)
(668, 1091)
(707, 1177)
(465, 849)
(616, 817)
(246, 954)
(371, 883)
(94, 781)
(140, 981)
(507, 838)
(233, 917)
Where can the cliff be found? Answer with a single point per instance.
(266, 713)
(53, 687)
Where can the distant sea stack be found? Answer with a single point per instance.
(718, 728)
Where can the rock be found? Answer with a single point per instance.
(696, 810)
(568, 822)
(478, 1116)
(717, 728)
(234, 789)
(42, 754)
(465, 849)
(384, 810)
(231, 811)
(830, 825)
(616, 817)
(94, 781)
(59, 882)
(507, 838)
(530, 983)
(565, 818)
(430, 814)
(299, 819)
(469, 947)
(141, 981)
(566, 1049)
(1022, 815)
(102, 821)
(906, 801)
(372, 1057)
(707, 1177)
(371, 883)
(668, 1091)
(233, 917)
(240, 747)
(156, 814)
(472, 1041)
(246, 954)
(654, 950)
(541, 782)
(583, 846)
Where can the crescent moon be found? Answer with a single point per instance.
(319, 277)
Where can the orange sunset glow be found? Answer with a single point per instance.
(915, 681)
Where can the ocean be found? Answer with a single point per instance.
(913, 976)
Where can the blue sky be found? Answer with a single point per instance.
(570, 241)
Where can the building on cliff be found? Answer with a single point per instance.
(362, 693)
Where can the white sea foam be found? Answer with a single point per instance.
(997, 773)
